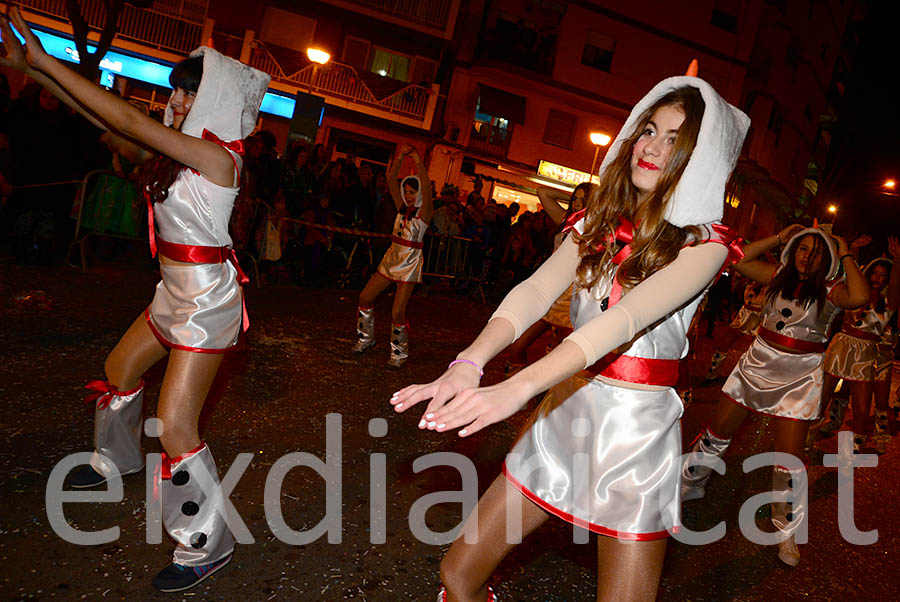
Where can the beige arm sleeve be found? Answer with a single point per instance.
(654, 298)
(529, 300)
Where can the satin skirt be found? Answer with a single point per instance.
(558, 314)
(773, 382)
(747, 321)
(197, 307)
(851, 358)
(402, 264)
(884, 363)
(602, 457)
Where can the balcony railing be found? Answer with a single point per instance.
(434, 13)
(174, 25)
(490, 139)
(346, 83)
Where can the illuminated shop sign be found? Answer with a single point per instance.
(116, 63)
(563, 174)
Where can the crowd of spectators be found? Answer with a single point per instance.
(40, 172)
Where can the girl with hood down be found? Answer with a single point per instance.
(197, 312)
(602, 449)
(781, 373)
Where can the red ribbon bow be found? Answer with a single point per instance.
(235, 145)
(103, 392)
(731, 240)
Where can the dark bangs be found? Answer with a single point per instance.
(187, 74)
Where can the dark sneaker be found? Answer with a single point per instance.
(86, 477)
(177, 577)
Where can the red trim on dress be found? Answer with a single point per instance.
(166, 343)
(380, 273)
(641, 370)
(407, 243)
(733, 400)
(860, 334)
(599, 529)
(799, 345)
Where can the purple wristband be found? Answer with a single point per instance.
(470, 362)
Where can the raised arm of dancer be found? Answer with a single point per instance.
(855, 291)
(210, 159)
(893, 287)
(550, 198)
(858, 243)
(427, 209)
(393, 172)
(756, 269)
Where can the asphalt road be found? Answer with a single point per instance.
(272, 397)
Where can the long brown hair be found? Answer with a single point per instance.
(163, 170)
(656, 242)
(791, 285)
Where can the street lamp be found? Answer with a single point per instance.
(318, 57)
(598, 139)
(890, 184)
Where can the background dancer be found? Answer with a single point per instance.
(666, 172)
(744, 324)
(403, 261)
(557, 317)
(853, 353)
(197, 311)
(781, 374)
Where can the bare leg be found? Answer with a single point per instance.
(187, 381)
(401, 299)
(466, 568)
(728, 418)
(882, 390)
(861, 396)
(376, 284)
(517, 352)
(134, 354)
(629, 570)
(790, 436)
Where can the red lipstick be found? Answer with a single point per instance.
(646, 165)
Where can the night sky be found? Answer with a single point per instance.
(867, 147)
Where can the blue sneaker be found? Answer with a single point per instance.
(177, 577)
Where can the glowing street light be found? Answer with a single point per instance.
(891, 184)
(317, 56)
(598, 139)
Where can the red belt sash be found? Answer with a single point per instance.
(641, 370)
(407, 243)
(860, 334)
(798, 345)
(200, 254)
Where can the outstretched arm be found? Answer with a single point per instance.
(211, 160)
(427, 209)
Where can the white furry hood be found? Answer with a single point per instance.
(829, 244)
(228, 99)
(700, 194)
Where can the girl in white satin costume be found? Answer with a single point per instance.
(403, 262)
(853, 352)
(781, 374)
(602, 449)
(197, 312)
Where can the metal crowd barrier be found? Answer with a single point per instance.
(449, 258)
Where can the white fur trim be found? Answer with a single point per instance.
(228, 98)
(700, 194)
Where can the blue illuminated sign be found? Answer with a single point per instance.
(116, 63)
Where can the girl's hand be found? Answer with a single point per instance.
(894, 249)
(861, 241)
(406, 149)
(475, 409)
(786, 234)
(843, 249)
(32, 55)
(457, 378)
